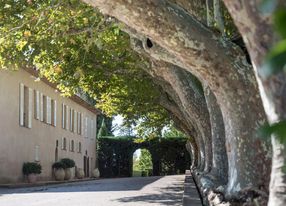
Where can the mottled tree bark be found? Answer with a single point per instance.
(258, 35)
(219, 164)
(192, 100)
(217, 63)
(170, 101)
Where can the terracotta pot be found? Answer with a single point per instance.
(32, 178)
(95, 173)
(68, 173)
(59, 174)
(79, 173)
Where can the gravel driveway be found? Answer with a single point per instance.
(136, 191)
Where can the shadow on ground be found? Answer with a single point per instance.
(102, 185)
(165, 196)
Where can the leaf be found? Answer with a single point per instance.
(279, 21)
(278, 129)
(275, 60)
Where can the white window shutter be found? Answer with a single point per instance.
(30, 107)
(63, 116)
(74, 121)
(81, 124)
(62, 143)
(21, 105)
(86, 127)
(67, 117)
(41, 107)
(71, 119)
(54, 112)
(94, 127)
(91, 128)
(37, 153)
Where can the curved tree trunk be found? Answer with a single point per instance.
(179, 117)
(220, 166)
(218, 64)
(188, 94)
(273, 89)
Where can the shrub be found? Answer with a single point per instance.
(69, 163)
(58, 165)
(31, 167)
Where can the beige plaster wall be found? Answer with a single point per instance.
(17, 144)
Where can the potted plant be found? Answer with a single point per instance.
(80, 173)
(95, 173)
(69, 163)
(31, 169)
(59, 171)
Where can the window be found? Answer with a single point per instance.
(71, 119)
(74, 121)
(65, 116)
(48, 110)
(41, 107)
(86, 127)
(79, 123)
(54, 112)
(37, 105)
(64, 143)
(79, 147)
(72, 146)
(26, 96)
(93, 129)
(45, 108)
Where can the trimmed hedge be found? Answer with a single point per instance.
(31, 168)
(115, 155)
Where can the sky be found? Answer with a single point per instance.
(118, 120)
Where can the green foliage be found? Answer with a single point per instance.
(275, 61)
(31, 168)
(172, 132)
(58, 165)
(103, 131)
(68, 163)
(79, 49)
(145, 160)
(278, 129)
(115, 155)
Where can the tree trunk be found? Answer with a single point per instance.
(188, 94)
(179, 117)
(258, 35)
(220, 167)
(217, 16)
(217, 63)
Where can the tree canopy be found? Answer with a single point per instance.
(73, 45)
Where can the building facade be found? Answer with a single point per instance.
(39, 125)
